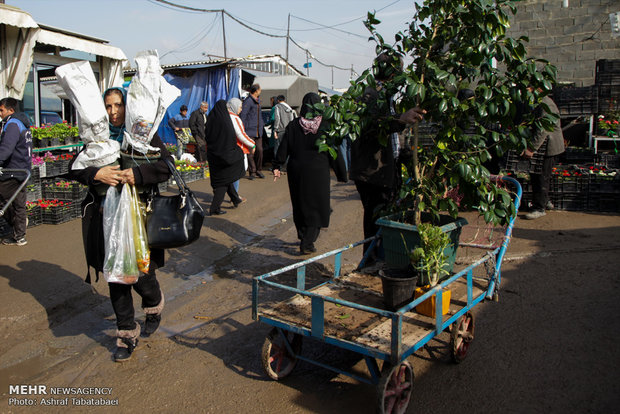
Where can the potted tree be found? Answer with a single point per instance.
(473, 81)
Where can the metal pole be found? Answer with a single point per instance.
(288, 30)
(307, 65)
(224, 35)
(332, 77)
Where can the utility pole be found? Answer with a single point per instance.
(307, 65)
(224, 34)
(332, 77)
(288, 30)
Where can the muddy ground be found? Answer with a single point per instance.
(549, 344)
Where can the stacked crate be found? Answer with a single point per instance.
(67, 191)
(608, 82)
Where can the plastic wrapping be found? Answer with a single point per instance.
(148, 97)
(78, 82)
(120, 264)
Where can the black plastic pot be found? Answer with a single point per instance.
(398, 288)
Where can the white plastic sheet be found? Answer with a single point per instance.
(78, 81)
(148, 97)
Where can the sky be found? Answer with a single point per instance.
(186, 36)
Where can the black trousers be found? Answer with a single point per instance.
(373, 198)
(307, 236)
(218, 196)
(201, 145)
(255, 163)
(147, 287)
(16, 213)
(541, 183)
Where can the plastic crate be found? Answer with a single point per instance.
(604, 184)
(515, 163)
(574, 155)
(58, 214)
(609, 98)
(34, 216)
(570, 202)
(609, 160)
(604, 202)
(607, 65)
(572, 184)
(52, 189)
(577, 101)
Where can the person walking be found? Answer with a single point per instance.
(247, 145)
(308, 174)
(224, 156)
(254, 124)
(555, 147)
(15, 153)
(283, 114)
(197, 121)
(147, 286)
(179, 124)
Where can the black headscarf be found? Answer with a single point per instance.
(310, 98)
(221, 139)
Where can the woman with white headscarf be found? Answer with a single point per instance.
(247, 144)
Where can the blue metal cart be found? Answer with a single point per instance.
(323, 311)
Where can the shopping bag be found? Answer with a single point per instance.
(143, 254)
(120, 264)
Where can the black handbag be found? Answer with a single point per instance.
(173, 221)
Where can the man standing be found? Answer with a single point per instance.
(197, 122)
(15, 153)
(555, 147)
(253, 123)
(283, 114)
(180, 124)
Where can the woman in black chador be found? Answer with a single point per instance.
(224, 156)
(308, 174)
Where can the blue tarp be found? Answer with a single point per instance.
(204, 85)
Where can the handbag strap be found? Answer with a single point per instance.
(183, 188)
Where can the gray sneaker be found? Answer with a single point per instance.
(532, 215)
(549, 206)
(13, 242)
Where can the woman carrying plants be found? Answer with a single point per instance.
(147, 176)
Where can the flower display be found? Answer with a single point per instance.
(45, 204)
(610, 124)
(61, 131)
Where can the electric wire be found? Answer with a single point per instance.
(194, 41)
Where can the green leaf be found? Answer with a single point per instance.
(443, 105)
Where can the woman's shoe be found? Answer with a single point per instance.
(217, 213)
(243, 200)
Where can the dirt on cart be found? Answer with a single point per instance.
(548, 345)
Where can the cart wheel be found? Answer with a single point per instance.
(395, 388)
(461, 336)
(277, 361)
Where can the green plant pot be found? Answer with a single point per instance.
(395, 228)
(135, 160)
(398, 288)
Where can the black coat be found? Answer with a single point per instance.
(224, 155)
(197, 124)
(308, 175)
(92, 209)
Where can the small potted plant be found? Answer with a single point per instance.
(432, 261)
(474, 83)
(609, 124)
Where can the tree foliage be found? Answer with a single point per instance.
(452, 46)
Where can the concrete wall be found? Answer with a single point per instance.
(571, 38)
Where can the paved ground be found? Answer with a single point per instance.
(549, 345)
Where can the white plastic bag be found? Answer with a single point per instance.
(120, 265)
(148, 97)
(78, 82)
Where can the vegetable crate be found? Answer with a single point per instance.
(569, 201)
(573, 184)
(34, 215)
(604, 202)
(347, 311)
(574, 155)
(605, 184)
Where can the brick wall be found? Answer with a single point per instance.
(571, 38)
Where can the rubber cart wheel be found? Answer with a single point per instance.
(395, 388)
(277, 361)
(461, 336)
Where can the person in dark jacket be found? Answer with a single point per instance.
(15, 153)
(308, 174)
(555, 147)
(147, 286)
(374, 167)
(197, 121)
(179, 123)
(253, 123)
(224, 156)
